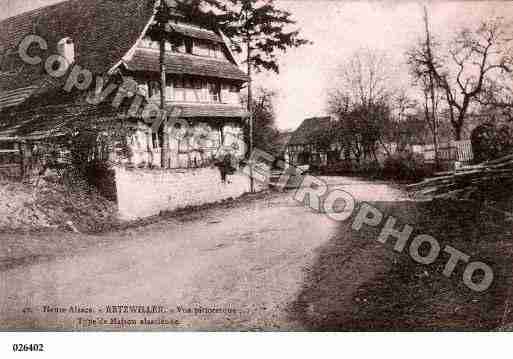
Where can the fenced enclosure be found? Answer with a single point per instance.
(460, 151)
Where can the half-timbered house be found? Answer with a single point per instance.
(69, 64)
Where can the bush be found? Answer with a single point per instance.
(101, 175)
(370, 169)
(337, 169)
(490, 141)
(405, 166)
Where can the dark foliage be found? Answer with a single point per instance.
(404, 166)
(266, 136)
(266, 27)
(490, 141)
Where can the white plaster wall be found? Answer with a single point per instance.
(142, 193)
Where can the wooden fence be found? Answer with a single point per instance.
(460, 151)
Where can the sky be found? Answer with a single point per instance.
(338, 29)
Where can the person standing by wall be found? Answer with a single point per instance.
(224, 163)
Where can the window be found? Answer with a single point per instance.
(180, 89)
(199, 94)
(169, 90)
(143, 89)
(145, 42)
(177, 45)
(149, 43)
(187, 83)
(155, 139)
(8, 60)
(8, 146)
(195, 90)
(216, 51)
(66, 49)
(153, 89)
(189, 90)
(201, 48)
(214, 91)
(198, 84)
(188, 45)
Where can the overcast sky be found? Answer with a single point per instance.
(339, 28)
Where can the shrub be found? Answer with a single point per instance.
(370, 169)
(490, 141)
(405, 166)
(101, 175)
(337, 169)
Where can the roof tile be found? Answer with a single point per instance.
(147, 60)
(102, 30)
(196, 32)
(302, 135)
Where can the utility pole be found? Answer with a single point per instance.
(162, 17)
(250, 97)
(434, 117)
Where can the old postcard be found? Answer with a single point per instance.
(255, 165)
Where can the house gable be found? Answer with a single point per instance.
(301, 136)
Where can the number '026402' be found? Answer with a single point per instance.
(27, 347)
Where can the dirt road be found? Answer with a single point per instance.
(264, 264)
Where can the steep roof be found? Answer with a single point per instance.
(301, 136)
(284, 138)
(50, 114)
(143, 60)
(103, 31)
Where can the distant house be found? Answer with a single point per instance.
(301, 149)
(282, 142)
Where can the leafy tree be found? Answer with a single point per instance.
(265, 134)
(262, 27)
(258, 28)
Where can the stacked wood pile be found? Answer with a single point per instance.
(468, 182)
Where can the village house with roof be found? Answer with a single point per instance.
(301, 149)
(115, 42)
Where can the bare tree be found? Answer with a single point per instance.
(362, 103)
(496, 101)
(363, 79)
(472, 59)
(403, 129)
(429, 90)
